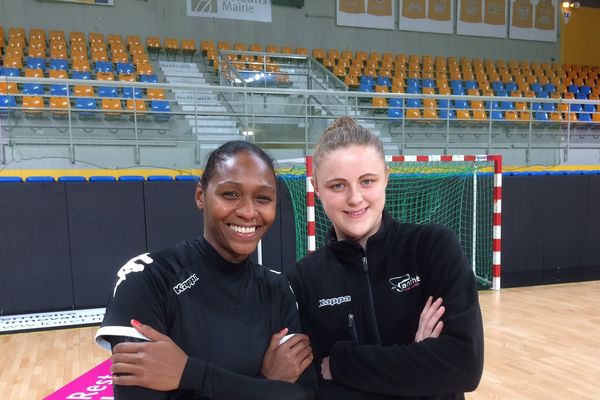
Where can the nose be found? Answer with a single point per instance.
(246, 209)
(354, 196)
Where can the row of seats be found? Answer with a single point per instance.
(100, 178)
(86, 108)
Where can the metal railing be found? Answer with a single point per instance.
(410, 123)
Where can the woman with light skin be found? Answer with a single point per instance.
(366, 298)
(212, 323)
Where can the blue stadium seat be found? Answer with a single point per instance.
(33, 89)
(427, 83)
(36, 63)
(384, 81)
(447, 114)
(58, 64)
(471, 85)
(107, 91)
(71, 178)
(7, 71)
(39, 179)
(84, 75)
(550, 88)
(159, 107)
(159, 178)
(394, 112)
(584, 117)
(131, 178)
(536, 87)
(497, 115)
(129, 93)
(395, 102)
(7, 102)
(581, 96)
(58, 90)
(102, 178)
(573, 88)
(10, 179)
(104, 66)
(456, 84)
(576, 108)
(536, 106)
(511, 86)
(85, 107)
(497, 86)
(585, 90)
(125, 68)
(461, 104)
(550, 107)
(149, 78)
(193, 178)
(412, 82)
(590, 108)
(541, 116)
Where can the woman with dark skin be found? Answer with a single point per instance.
(212, 320)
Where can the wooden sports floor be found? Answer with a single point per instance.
(541, 343)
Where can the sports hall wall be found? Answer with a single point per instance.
(61, 243)
(311, 26)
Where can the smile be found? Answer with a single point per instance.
(247, 230)
(357, 213)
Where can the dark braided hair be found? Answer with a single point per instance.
(228, 150)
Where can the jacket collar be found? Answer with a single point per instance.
(350, 252)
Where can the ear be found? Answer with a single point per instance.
(313, 182)
(199, 196)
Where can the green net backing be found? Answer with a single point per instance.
(458, 195)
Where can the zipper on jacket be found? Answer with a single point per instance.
(352, 327)
(371, 300)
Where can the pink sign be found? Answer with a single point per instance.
(96, 384)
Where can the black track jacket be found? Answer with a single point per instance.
(361, 308)
(185, 293)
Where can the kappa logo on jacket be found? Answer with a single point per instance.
(185, 285)
(405, 283)
(334, 301)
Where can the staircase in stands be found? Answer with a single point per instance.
(210, 130)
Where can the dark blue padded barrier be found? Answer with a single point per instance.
(35, 263)
(131, 178)
(102, 178)
(10, 179)
(37, 179)
(71, 178)
(194, 178)
(161, 178)
(106, 229)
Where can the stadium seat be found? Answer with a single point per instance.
(137, 109)
(112, 108)
(33, 106)
(171, 46)
(83, 75)
(149, 78)
(81, 65)
(59, 106)
(161, 109)
(35, 63)
(7, 103)
(8, 88)
(85, 107)
(102, 178)
(188, 48)
(125, 68)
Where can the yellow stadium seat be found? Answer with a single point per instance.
(8, 88)
(319, 54)
(145, 69)
(83, 91)
(114, 39)
(33, 106)
(188, 48)
(479, 115)
(153, 44)
(59, 106)
(156, 94)
(171, 46)
(512, 116)
(96, 38)
(525, 116)
(271, 48)
(81, 65)
(112, 108)
(105, 76)
(12, 61)
(34, 73)
(412, 113)
(139, 106)
(223, 46)
(379, 104)
(289, 50)
(58, 74)
(462, 114)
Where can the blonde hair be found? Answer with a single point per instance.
(344, 132)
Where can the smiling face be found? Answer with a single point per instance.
(350, 182)
(239, 204)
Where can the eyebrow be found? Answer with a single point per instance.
(368, 174)
(237, 183)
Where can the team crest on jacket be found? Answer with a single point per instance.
(404, 283)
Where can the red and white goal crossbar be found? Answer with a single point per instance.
(496, 221)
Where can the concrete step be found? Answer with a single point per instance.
(211, 130)
(218, 138)
(209, 121)
(175, 65)
(175, 79)
(187, 74)
(204, 108)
